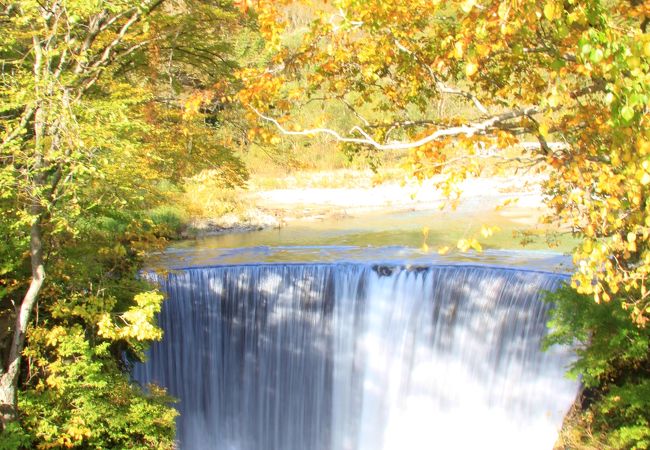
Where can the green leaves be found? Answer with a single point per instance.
(612, 353)
(86, 401)
(90, 124)
(138, 323)
(627, 113)
(596, 55)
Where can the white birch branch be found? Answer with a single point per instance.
(470, 129)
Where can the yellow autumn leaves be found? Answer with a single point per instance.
(464, 244)
(138, 322)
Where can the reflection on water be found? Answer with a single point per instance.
(346, 335)
(372, 237)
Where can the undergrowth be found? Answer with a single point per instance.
(613, 409)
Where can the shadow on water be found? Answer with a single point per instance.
(359, 356)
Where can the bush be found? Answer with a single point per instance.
(169, 221)
(613, 365)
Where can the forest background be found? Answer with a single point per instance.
(122, 121)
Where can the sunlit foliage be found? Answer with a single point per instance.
(556, 88)
(97, 131)
(613, 367)
(570, 76)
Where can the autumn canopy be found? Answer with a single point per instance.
(461, 83)
(107, 109)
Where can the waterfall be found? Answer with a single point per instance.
(360, 357)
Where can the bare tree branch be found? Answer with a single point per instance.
(105, 57)
(471, 129)
(95, 26)
(22, 125)
(91, 80)
(354, 111)
(440, 85)
(500, 159)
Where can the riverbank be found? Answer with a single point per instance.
(347, 193)
(313, 200)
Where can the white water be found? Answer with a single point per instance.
(351, 356)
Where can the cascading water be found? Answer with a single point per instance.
(360, 357)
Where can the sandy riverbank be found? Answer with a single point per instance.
(512, 197)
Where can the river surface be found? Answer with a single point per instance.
(351, 334)
(381, 237)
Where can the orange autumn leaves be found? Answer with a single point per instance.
(583, 64)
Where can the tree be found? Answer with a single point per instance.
(613, 409)
(462, 82)
(81, 95)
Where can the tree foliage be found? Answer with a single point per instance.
(613, 366)
(560, 88)
(84, 400)
(95, 113)
(573, 76)
(100, 101)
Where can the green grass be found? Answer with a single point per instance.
(170, 218)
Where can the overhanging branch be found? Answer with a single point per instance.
(440, 85)
(471, 129)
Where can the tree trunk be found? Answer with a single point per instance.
(9, 374)
(10, 370)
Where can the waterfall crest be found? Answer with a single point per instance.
(360, 357)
